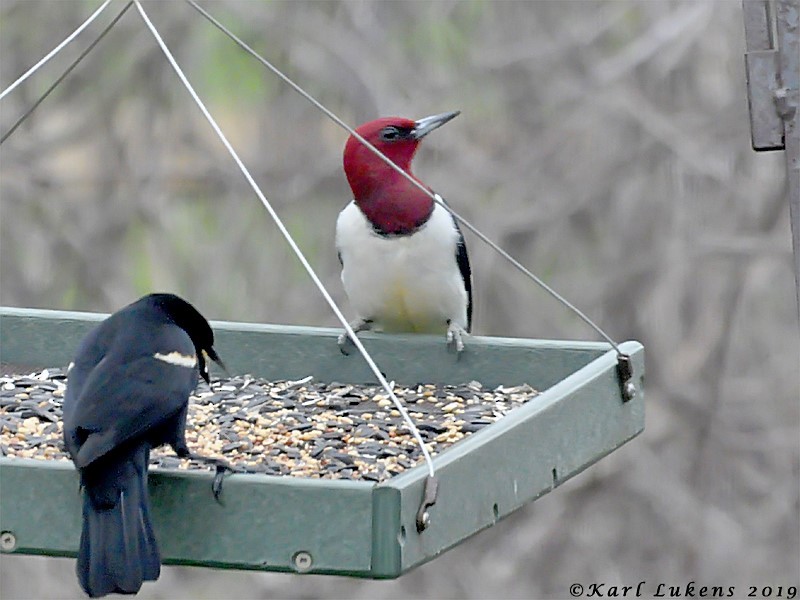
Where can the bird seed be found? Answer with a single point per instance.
(297, 428)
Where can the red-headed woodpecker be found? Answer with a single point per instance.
(404, 262)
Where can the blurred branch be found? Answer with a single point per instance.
(688, 19)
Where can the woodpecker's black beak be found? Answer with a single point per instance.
(424, 126)
(209, 355)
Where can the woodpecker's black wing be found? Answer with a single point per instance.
(462, 258)
(139, 385)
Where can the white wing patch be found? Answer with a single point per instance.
(176, 358)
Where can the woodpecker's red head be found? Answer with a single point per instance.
(391, 202)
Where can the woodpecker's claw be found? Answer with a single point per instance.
(455, 335)
(344, 341)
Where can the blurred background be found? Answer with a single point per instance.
(604, 144)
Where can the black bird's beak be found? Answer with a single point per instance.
(424, 126)
(209, 355)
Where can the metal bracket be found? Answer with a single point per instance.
(766, 125)
(625, 373)
(429, 499)
(762, 68)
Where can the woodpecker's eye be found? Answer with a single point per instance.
(391, 134)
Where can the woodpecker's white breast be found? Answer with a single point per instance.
(402, 283)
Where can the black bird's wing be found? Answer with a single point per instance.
(129, 392)
(90, 353)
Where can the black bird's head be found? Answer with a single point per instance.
(188, 318)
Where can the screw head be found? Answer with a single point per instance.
(423, 521)
(7, 541)
(629, 391)
(302, 561)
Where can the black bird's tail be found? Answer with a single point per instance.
(118, 549)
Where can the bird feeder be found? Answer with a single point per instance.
(588, 407)
(590, 403)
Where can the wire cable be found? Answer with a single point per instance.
(519, 266)
(74, 64)
(306, 265)
(55, 50)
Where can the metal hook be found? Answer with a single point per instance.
(429, 499)
(625, 372)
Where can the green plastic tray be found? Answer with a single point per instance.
(342, 527)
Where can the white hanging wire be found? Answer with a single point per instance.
(68, 70)
(372, 365)
(55, 50)
(389, 162)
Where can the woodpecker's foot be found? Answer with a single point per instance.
(455, 335)
(345, 343)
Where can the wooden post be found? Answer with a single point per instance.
(788, 104)
(773, 71)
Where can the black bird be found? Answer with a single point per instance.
(127, 392)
